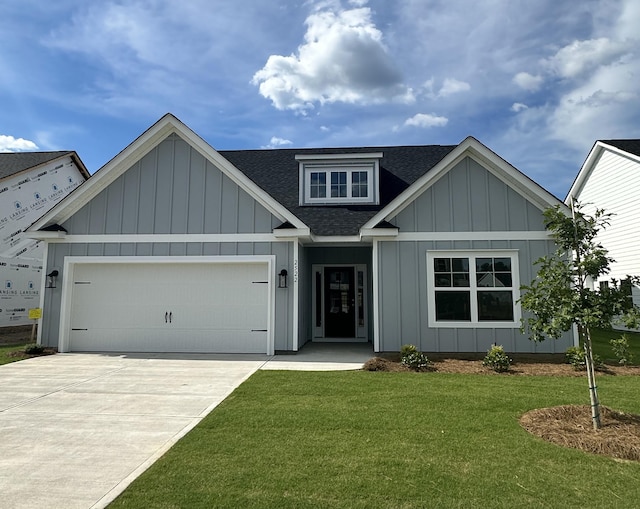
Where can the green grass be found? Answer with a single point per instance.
(601, 346)
(7, 351)
(388, 440)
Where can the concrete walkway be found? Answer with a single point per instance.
(77, 429)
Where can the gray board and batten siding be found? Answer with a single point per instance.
(173, 189)
(468, 198)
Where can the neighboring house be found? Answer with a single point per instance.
(175, 247)
(30, 184)
(610, 179)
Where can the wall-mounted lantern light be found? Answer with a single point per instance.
(282, 278)
(52, 278)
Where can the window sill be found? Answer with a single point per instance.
(474, 325)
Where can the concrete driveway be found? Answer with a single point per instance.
(76, 429)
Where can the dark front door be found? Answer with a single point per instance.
(339, 302)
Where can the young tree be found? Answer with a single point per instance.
(562, 295)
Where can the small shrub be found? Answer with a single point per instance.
(407, 350)
(33, 349)
(575, 356)
(497, 359)
(621, 350)
(413, 359)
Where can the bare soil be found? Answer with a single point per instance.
(568, 425)
(15, 335)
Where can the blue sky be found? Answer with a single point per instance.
(537, 82)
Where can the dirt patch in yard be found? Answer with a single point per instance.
(15, 335)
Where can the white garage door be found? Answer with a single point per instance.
(169, 307)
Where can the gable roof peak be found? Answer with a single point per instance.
(12, 163)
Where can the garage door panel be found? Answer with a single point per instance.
(170, 307)
(175, 341)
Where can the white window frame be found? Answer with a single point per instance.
(347, 163)
(473, 289)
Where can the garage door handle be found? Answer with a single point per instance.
(166, 317)
(170, 316)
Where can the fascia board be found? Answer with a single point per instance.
(339, 157)
(335, 239)
(167, 125)
(587, 168)
(584, 172)
(291, 233)
(379, 232)
(46, 235)
(619, 151)
(64, 209)
(78, 162)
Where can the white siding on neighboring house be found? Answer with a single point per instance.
(614, 185)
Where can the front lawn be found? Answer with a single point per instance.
(388, 440)
(12, 353)
(601, 346)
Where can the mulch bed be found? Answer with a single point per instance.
(568, 425)
(474, 366)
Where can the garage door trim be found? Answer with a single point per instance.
(72, 261)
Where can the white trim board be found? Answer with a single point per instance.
(375, 262)
(473, 236)
(165, 238)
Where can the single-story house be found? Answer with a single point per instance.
(609, 179)
(30, 184)
(173, 246)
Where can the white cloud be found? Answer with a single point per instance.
(11, 144)
(518, 107)
(604, 106)
(449, 87)
(138, 56)
(343, 59)
(276, 142)
(453, 86)
(528, 81)
(581, 57)
(426, 120)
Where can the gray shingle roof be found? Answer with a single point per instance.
(276, 171)
(631, 146)
(15, 162)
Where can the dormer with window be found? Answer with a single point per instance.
(339, 179)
